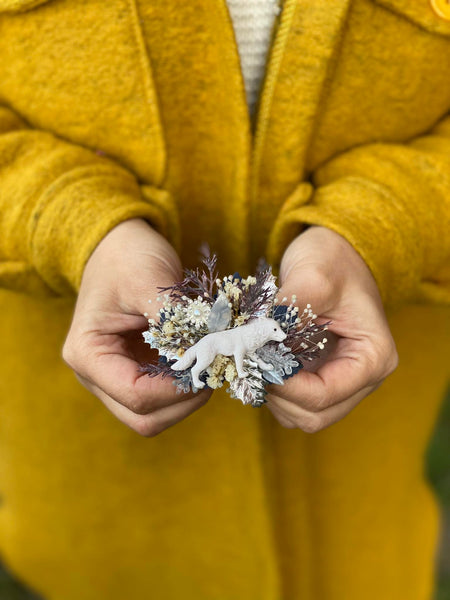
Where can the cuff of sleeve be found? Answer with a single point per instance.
(80, 208)
(287, 226)
(367, 215)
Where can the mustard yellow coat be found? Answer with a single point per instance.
(120, 108)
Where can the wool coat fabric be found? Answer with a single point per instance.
(137, 108)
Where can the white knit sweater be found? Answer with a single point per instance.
(253, 22)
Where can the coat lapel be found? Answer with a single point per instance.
(241, 179)
(300, 63)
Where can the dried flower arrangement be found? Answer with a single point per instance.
(235, 331)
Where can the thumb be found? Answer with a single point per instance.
(306, 285)
(309, 289)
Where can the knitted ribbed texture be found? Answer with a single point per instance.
(253, 21)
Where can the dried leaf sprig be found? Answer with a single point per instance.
(195, 282)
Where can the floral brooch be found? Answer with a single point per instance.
(211, 331)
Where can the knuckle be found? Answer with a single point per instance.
(375, 360)
(382, 360)
(318, 279)
(140, 403)
(146, 428)
(393, 359)
(69, 354)
(311, 424)
(374, 356)
(139, 406)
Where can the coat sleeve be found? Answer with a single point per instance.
(392, 203)
(57, 201)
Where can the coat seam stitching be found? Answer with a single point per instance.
(150, 90)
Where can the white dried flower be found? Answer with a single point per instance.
(197, 312)
(232, 291)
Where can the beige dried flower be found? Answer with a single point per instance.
(230, 372)
(240, 319)
(214, 382)
(168, 328)
(218, 366)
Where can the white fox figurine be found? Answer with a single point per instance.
(238, 342)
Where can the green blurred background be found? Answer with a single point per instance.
(438, 472)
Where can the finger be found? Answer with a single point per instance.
(151, 424)
(118, 376)
(280, 415)
(311, 287)
(312, 422)
(334, 382)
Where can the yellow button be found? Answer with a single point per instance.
(441, 8)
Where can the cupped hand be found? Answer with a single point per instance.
(321, 268)
(104, 345)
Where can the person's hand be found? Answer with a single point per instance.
(321, 268)
(105, 346)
